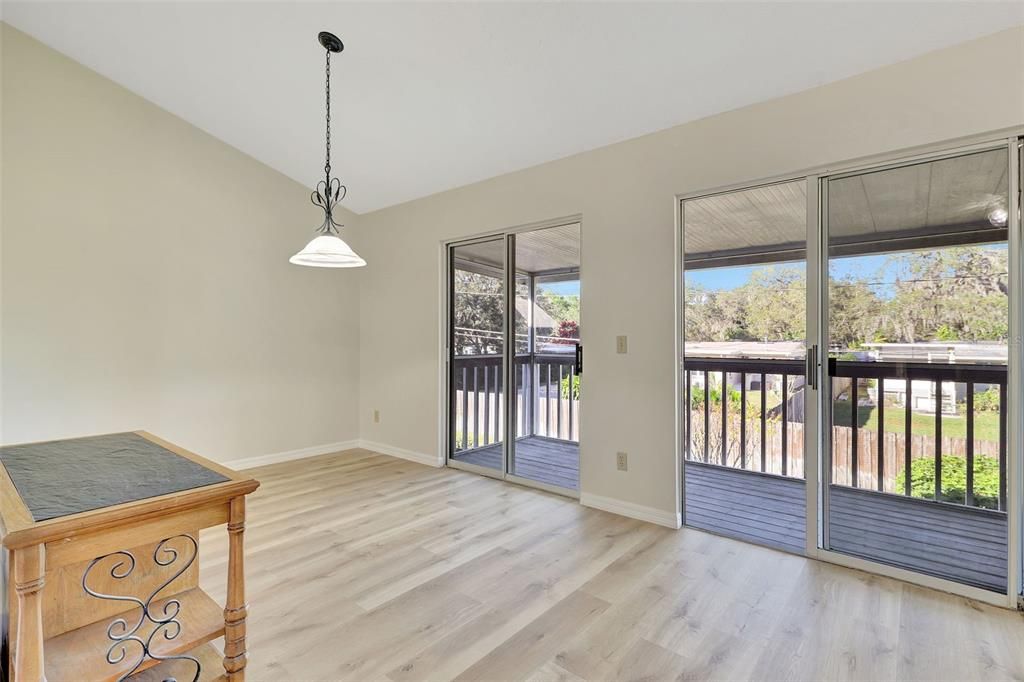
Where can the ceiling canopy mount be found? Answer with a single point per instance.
(331, 42)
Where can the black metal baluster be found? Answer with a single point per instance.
(854, 463)
(785, 424)
(907, 437)
(707, 415)
(743, 420)
(969, 493)
(938, 439)
(764, 422)
(725, 420)
(880, 399)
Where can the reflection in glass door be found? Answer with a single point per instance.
(744, 394)
(476, 362)
(548, 356)
(918, 302)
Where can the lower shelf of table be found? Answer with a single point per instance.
(82, 654)
(209, 657)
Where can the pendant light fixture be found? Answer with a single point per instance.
(327, 249)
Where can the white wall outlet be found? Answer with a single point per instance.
(622, 461)
(620, 344)
(376, 416)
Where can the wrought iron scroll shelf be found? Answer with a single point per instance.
(165, 619)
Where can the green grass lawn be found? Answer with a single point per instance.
(986, 424)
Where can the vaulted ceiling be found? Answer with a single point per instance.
(430, 96)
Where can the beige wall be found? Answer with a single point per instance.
(625, 194)
(145, 281)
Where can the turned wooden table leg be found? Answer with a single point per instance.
(235, 609)
(29, 577)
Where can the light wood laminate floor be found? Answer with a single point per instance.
(366, 567)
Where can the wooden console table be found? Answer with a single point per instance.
(100, 563)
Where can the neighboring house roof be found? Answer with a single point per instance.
(940, 351)
(747, 349)
(540, 317)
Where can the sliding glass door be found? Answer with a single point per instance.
(918, 324)
(744, 383)
(477, 355)
(899, 443)
(548, 356)
(515, 356)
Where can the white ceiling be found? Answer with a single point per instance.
(430, 96)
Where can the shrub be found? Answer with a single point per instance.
(715, 396)
(575, 388)
(987, 401)
(569, 330)
(954, 480)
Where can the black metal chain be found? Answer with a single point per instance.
(327, 163)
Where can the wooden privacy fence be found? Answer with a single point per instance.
(893, 462)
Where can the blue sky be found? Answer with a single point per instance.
(732, 277)
(887, 270)
(570, 288)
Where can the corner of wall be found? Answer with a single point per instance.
(633, 511)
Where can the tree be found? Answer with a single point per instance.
(955, 294)
(559, 306)
(478, 310)
(769, 307)
(774, 301)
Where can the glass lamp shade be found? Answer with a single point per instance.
(327, 251)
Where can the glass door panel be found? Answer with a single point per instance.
(918, 286)
(548, 356)
(477, 342)
(744, 351)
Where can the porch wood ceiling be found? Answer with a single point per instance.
(925, 205)
(550, 249)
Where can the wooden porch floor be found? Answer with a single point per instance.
(962, 544)
(555, 462)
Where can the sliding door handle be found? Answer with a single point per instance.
(811, 366)
(579, 358)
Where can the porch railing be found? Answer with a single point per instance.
(748, 414)
(733, 432)
(852, 380)
(547, 398)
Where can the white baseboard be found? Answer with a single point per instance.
(275, 457)
(402, 453)
(633, 511)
